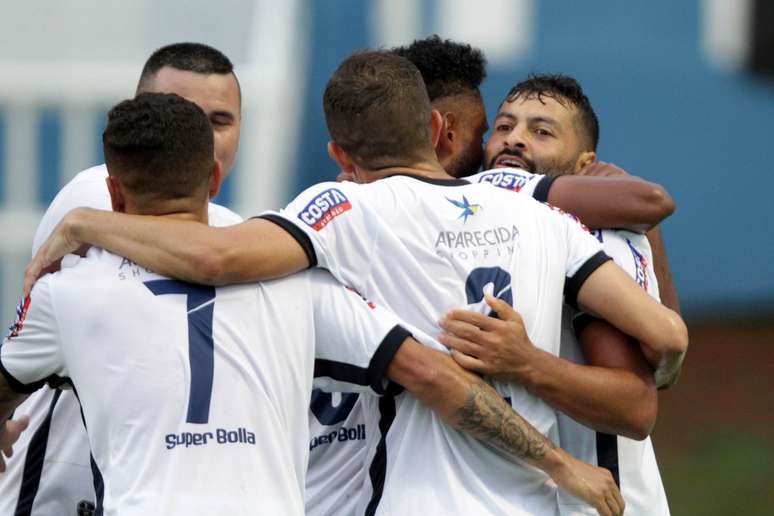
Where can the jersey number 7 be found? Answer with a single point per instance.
(200, 305)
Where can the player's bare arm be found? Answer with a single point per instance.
(254, 250)
(615, 393)
(612, 202)
(611, 294)
(10, 430)
(469, 404)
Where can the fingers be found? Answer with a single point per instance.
(503, 310)
(479, 320)
(468, 362)
(463, 328)
(461, 345)
(618, 500)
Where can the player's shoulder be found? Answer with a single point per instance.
(219, 215)
(95, 173)
(512, 179)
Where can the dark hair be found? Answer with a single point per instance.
(189, 57)
(447, 67)
(561, 88)
(159, 145)
(377, 110)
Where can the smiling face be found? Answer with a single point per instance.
(216, 94)
(538, 134)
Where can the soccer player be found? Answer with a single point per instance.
(51, 471)
(547, 124)
(210, 357)
(421, 242)
(452, 73)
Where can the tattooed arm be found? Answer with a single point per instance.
(471, 405)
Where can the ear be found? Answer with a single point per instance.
(586, 158)
(451, 125)
(436, 126)
(342, 159)
(117, 199)
(216, 179)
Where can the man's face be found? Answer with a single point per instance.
(469, 153)
(217, 95)
(538, 135)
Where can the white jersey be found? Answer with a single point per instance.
(195, 397)
(337, 469)
(633, 463)
(337, 453)
(51, 470)
(422, 247)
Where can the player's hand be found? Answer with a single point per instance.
(602, 169)
(591, 484)
(9, 434)
(497, 348)
(58, 244)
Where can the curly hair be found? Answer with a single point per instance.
(447, 67)
(160, 145)
(561, 88)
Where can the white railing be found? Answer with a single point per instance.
(270, 74)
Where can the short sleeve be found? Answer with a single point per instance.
(86, 190)
(31, 354)
(355, 340)
(220, 216)
(584, 253)
(331, 224)
(516, 180)
(632, 252)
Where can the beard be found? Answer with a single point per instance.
(466, 164)
(548, 167)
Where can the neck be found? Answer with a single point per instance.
(430, 169)
(182, 209)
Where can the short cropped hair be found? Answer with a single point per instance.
(447, 67)
(160, 146)
(377, 109)
(563, 89)
(188, 57)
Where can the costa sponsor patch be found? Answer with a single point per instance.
(325, 207)
(514, 181)
(21, 314)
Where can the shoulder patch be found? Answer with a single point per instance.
(573, 217)
(21, 314)
(325, 207)
(510, 180)
(371, 305)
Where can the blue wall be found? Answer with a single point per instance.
(665, 115)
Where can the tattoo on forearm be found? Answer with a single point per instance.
(488, 417)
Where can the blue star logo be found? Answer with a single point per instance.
(468, 210)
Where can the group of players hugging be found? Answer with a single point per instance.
(418, 337)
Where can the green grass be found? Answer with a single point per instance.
(727, 474)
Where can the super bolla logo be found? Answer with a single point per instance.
(324, 208)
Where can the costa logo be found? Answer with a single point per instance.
(508, 180)
(324, 208)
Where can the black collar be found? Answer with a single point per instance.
(433, 181)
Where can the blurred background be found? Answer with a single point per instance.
(685, 96)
